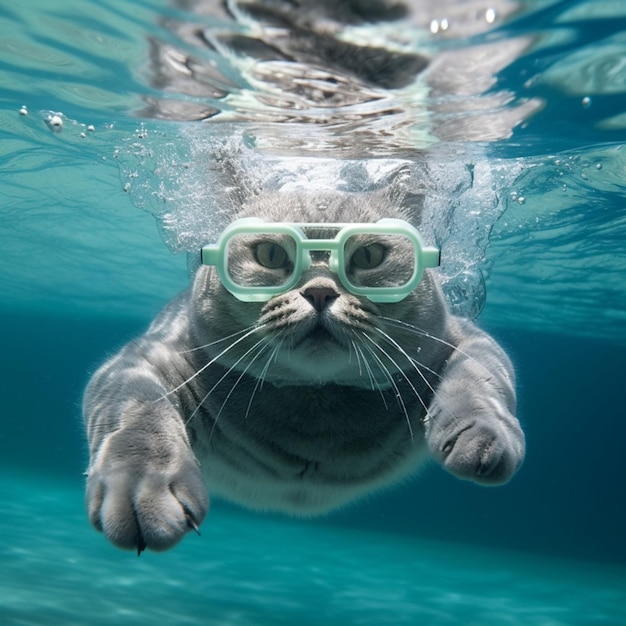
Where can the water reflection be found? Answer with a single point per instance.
(351, 79)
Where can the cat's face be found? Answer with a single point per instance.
(318, 332)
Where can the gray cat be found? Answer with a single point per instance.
(299, 403)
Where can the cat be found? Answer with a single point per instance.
(299, 404)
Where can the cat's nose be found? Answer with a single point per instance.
(319, 297)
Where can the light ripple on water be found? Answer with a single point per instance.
(254, 570)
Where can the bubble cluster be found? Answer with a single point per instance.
(437, 26)
(55, 122)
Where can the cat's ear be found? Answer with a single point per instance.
(412, 207)
(399, 185)
(231, 171)
(404, 188)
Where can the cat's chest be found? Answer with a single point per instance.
(329, 424)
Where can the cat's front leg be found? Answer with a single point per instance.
(144, 485)
(471, 428)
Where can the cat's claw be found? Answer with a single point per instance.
(141, 544)
(191, 522)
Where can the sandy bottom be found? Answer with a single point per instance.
(253, 570)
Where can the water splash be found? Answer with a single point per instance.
(193, 178)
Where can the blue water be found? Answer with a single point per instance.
(83, 271)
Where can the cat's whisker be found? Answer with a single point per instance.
(423, 333)
(252, 330)
(402, 373)
(261, 378)
(387, 374)
(214, 343)
(271, 360)
(374, 384)
(350, 349)
(260, 345)
(243, 373)
(416, 365)
(260, 342)
(358, 358)
(419, 364)
(414, 362)
(234, 386)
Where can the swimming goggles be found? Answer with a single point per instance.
(257, 260)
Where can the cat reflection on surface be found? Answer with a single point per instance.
(301, 403)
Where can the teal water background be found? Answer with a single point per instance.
(83, 271)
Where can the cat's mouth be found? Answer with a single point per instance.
(320, 333)
(319, 336)
(320, 350)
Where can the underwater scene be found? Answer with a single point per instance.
(118, 123)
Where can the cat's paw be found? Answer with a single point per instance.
(486, 446)
(145, 505)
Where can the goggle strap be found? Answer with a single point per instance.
(210, 255)
(431, 257)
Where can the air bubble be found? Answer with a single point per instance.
(521, 200)
(23, 110)
(530, 82)
(586, 102)
(55, 122)
(490, 16)
(439, 25)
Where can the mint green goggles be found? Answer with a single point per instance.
(383, 261)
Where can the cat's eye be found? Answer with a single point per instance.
(271, 255)
(369, 256)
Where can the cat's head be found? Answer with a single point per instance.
(318, 331)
